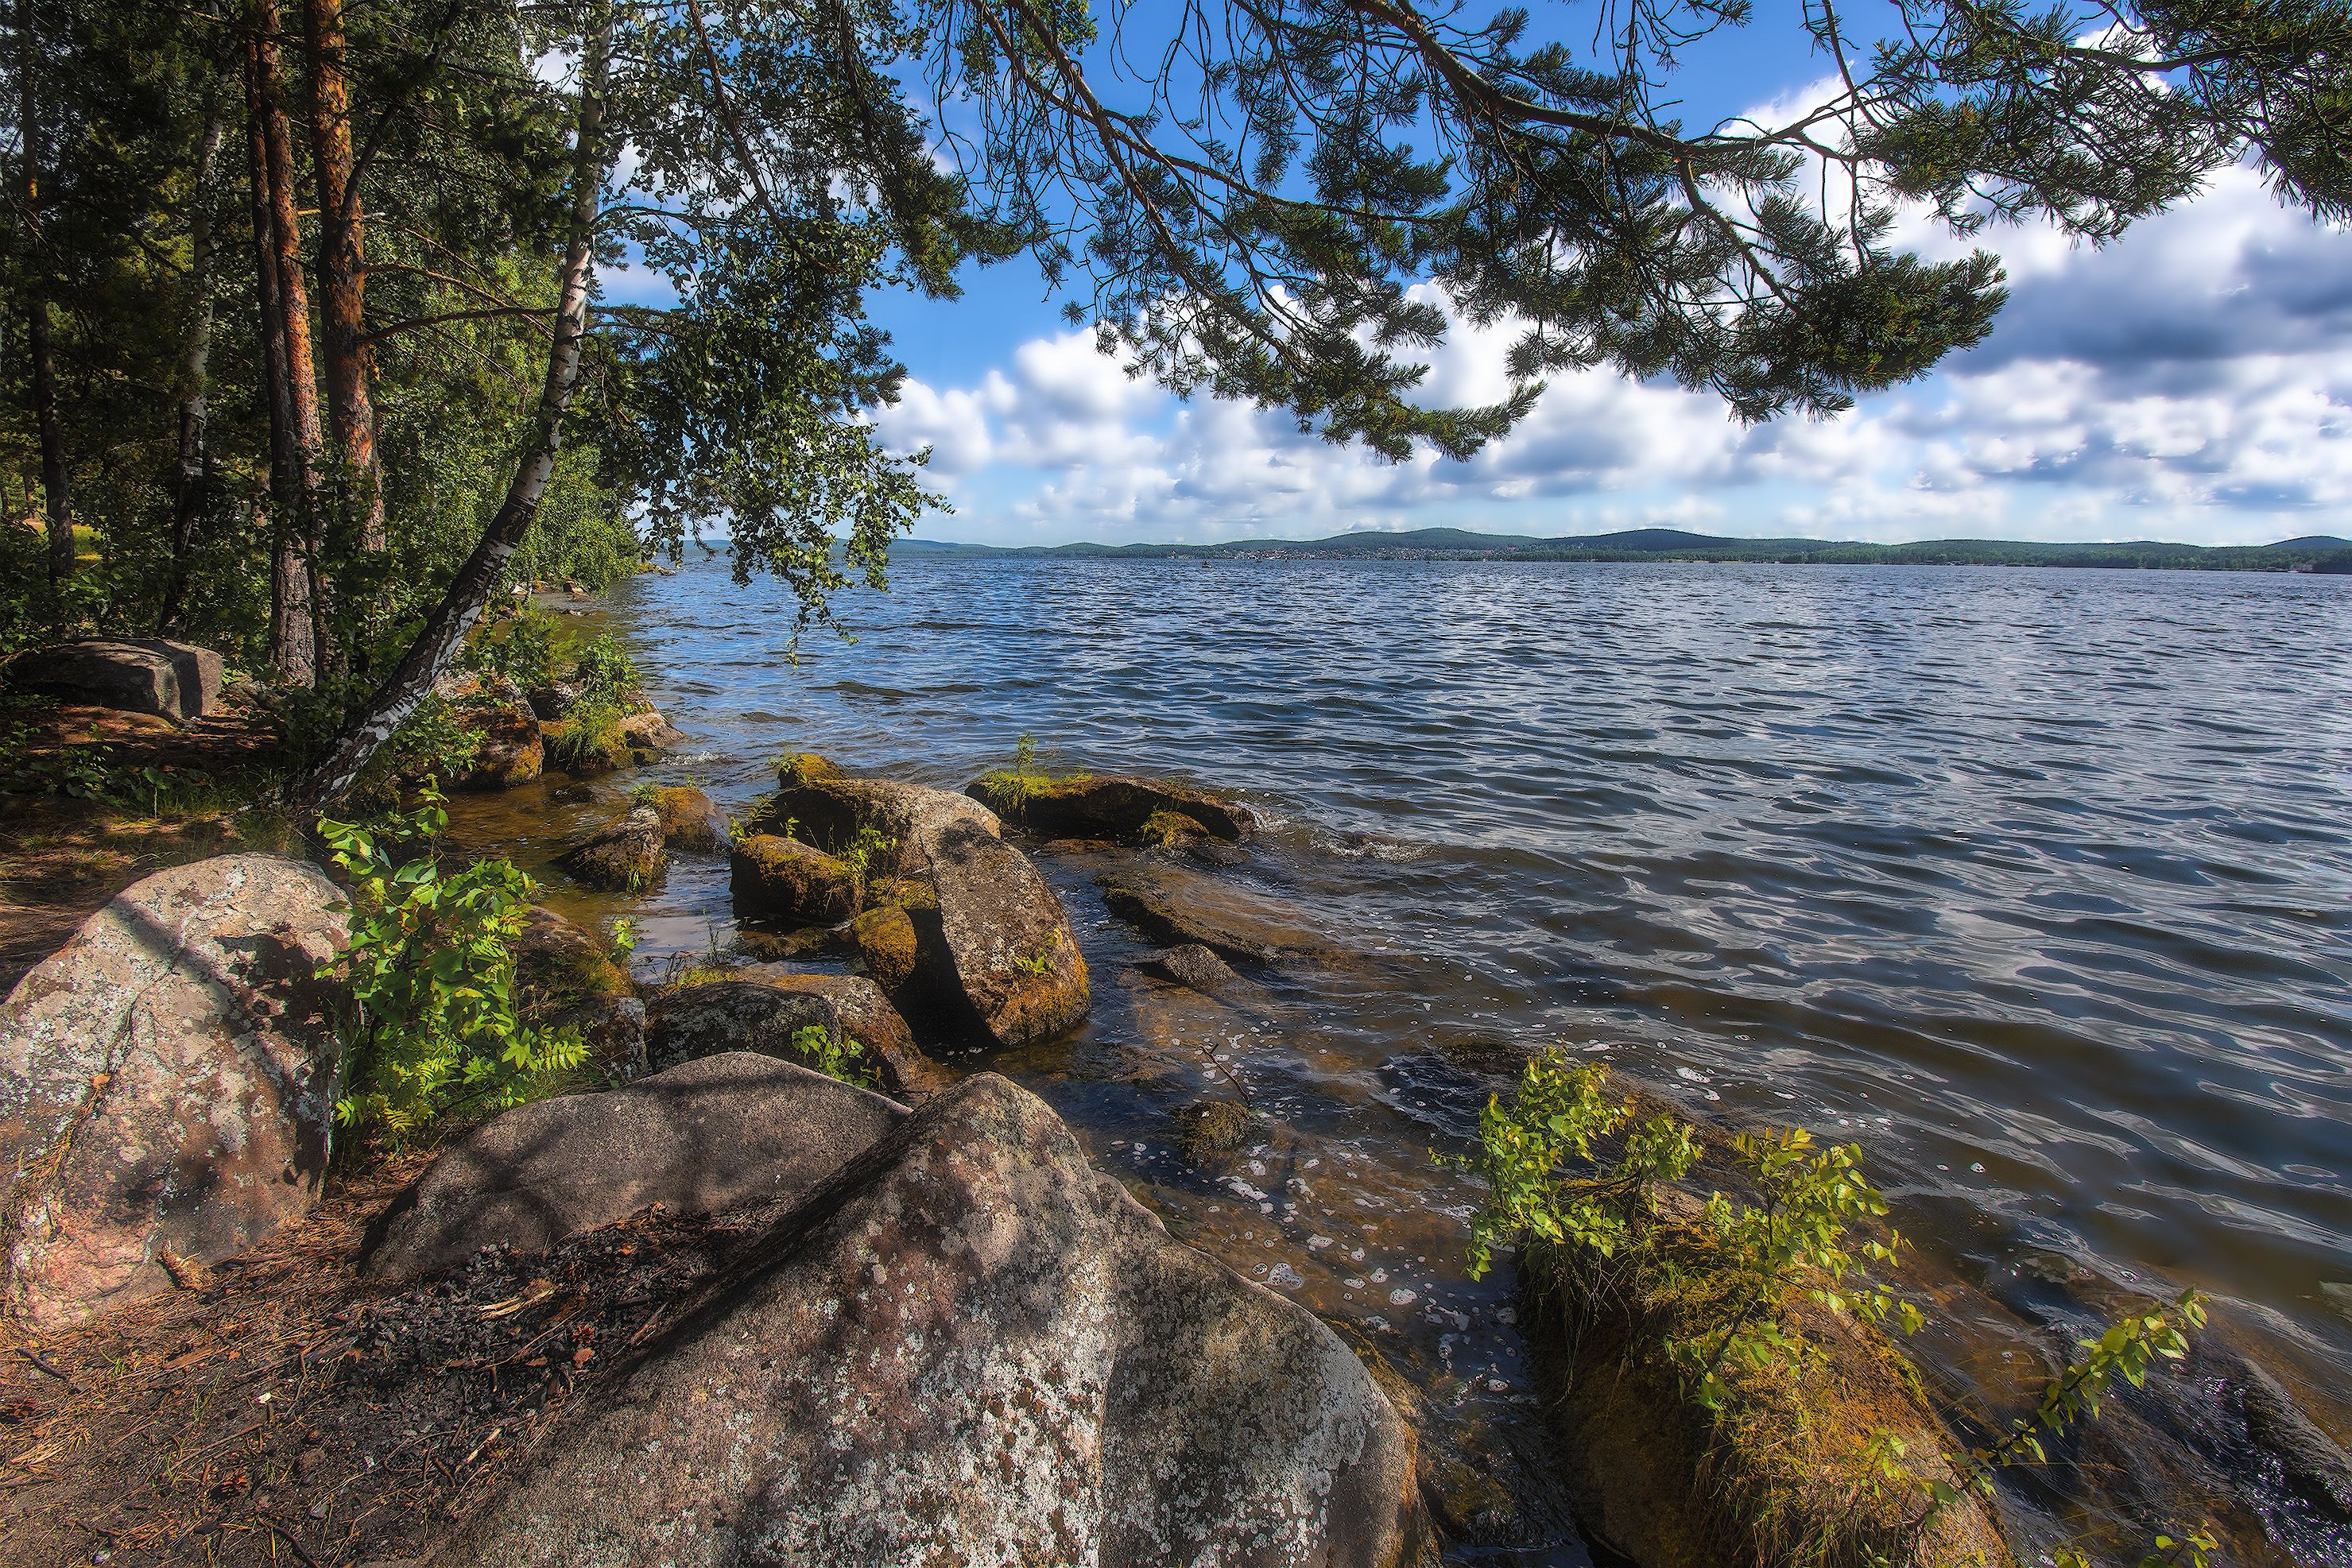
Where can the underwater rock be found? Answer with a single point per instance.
(1181, 907)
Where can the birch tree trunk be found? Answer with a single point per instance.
(484, 574)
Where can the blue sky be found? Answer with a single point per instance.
(2191, 381)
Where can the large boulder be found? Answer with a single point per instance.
(971, 938)
(776, 878)
(143, 675)
(1016, 961)
(1181, 907)
(829, 809)
(625, 856)
(1111, 806)
(972, 1349)
(722, 1133)
(167, 1082)
(763, 1016)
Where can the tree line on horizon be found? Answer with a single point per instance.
(310, 352)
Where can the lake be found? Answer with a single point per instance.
(2036, 884)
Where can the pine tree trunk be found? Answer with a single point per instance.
(292, 648)
(484, 574)
(342, 276)
(192, 472)
(294, 310)
(57, 480)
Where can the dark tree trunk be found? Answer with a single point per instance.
(342, 276)
(294, 312)
(292, 648)
(484, 574)
(57, 480)
(191, 474)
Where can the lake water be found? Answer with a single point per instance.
(2036, 884)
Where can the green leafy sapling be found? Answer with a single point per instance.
(430, 1027)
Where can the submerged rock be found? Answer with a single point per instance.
(980, 1351)
(144, 674)
(1112, 806)
(625, 856)
(778, 878)
(721, 1133)
(167, 1082)
(1191, 965)
(1181, 907)
(1213, 1127)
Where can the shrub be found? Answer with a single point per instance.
(1741, 1301)
(844, 1059)
(588, 739)
(520, 647)
(430, 1029)
(606, 673)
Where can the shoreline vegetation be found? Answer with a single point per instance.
(509, 1263)
(2321, 554)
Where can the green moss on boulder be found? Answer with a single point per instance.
(777, 878)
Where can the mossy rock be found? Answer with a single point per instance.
(1784, 1473)
(1213, 1127)
(800, 768)
(1169, 830)
(512, 751)
(626, 856)
(1111, 806)
(888, 944)
(776, 878)
(580, 745)
(689, 819)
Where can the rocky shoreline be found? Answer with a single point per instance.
(721, 1307)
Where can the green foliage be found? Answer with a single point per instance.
(844, 1059)
(1041, 962)
(521, 647)
(430, 1030)
(607, 673)
(435, 742)
(1529, 1153)
(589, 738)
(1724, 1285)
(864, 854)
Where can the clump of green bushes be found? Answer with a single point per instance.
(1757, 1326)
(429, 1026)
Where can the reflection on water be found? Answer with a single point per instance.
(2036, 883)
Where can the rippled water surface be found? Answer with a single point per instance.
(2037, 883)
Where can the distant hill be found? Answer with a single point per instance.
(2317, 552)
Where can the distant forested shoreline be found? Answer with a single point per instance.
(2323, 554)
